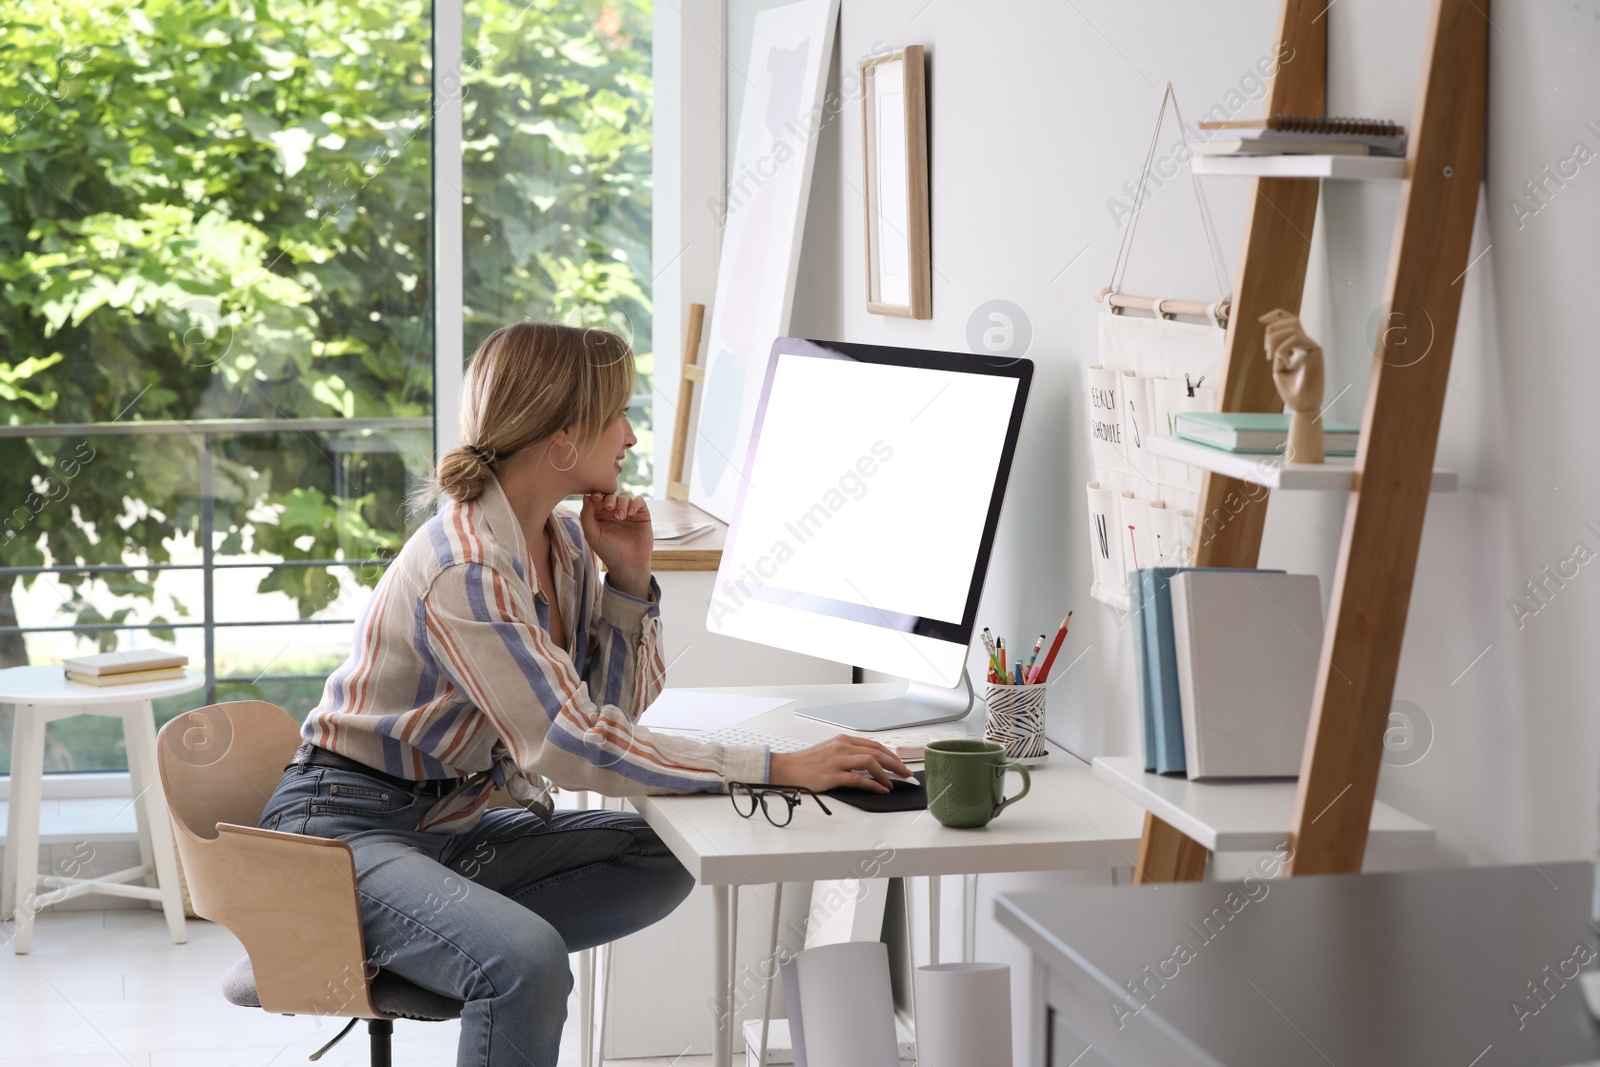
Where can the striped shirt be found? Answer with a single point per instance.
(454, 674)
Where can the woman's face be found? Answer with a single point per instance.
(599, 467)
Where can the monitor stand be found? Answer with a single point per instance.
(920, 705)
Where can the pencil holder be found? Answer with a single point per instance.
(1016, 720)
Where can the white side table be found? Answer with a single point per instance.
(42, 694)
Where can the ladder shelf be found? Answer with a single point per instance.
(1335, 797)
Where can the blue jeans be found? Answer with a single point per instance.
(487, 916)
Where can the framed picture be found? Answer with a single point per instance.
(895, 159)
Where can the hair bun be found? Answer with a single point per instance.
(526, 381)
(463, 470)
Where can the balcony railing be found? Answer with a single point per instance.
(208, 430)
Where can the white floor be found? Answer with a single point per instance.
(107, 988)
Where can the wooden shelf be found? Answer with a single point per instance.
(1250, 815)
(1353, 168)
(1262, 468)
(1333, 803)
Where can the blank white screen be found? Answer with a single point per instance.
(871, 483)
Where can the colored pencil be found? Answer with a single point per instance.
(1042, 672)
(1037, 645)
(988, 646)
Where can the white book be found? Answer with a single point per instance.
(676, 533)
(164, 674)
(1247, 646)
(125, 662)
(1238, 146)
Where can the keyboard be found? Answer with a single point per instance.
(907, 745)
(733, 735)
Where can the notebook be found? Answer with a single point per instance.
(1247, 649)
(1337, 136)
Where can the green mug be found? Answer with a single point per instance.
(966, 781)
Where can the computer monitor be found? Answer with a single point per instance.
(866, 513)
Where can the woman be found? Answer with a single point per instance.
(494, 653)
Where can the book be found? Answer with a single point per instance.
(1277, 146)
(1247, 649)
(137, 659)
(1161, 668)
(160, 674)
(1141, 670)
(1378, 137)
(1161, 660)
(1329, 124)
(1258, 431)
(676, 533)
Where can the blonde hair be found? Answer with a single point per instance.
(527, 381)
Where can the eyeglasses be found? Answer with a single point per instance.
(747, 797)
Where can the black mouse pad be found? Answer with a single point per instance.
(905, 796)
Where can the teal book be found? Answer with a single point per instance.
(1161, 662)
(1258, 431)
(1141, 669)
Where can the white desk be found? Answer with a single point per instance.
(649, 1012)
(1069, 820)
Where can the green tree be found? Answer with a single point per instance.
(221, 208)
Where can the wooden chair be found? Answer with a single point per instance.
(289, 898)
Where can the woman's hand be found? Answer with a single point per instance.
(617, 527)
(836, 762)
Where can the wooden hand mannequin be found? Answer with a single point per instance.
(1297, 372)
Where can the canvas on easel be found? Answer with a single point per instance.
(769, 182)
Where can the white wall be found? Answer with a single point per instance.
(1039, 112)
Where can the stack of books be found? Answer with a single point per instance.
(1226, 664)
(1299, 135)
(1258, 431)
(126, 668)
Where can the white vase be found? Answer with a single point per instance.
(964, 1015)
(846, 1007)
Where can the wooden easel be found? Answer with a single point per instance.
(704, 553)
(1399, 431)
(693, 373)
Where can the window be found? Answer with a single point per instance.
(556, 147)
(217, 277)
